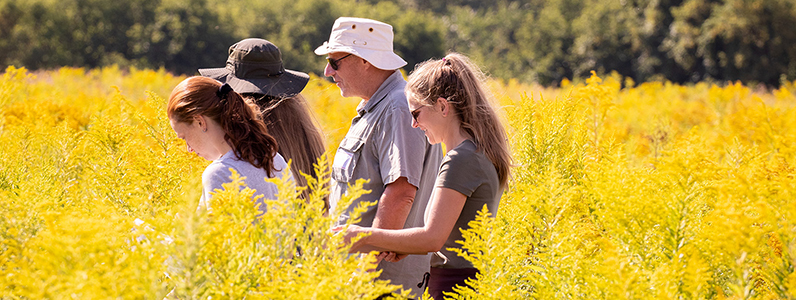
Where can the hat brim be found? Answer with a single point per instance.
(288, 84)
(385, 60)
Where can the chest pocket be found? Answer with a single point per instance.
(346, 158)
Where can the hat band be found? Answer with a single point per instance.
(244, 70)
(349, 40)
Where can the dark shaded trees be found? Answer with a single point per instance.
(91, 33)
(530, 40)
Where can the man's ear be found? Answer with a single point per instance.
(368, 65)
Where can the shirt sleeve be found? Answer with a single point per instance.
(460, 173)
(401, 149)
(213, 177)
(280, 165)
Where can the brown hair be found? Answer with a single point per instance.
(243, 130)
(461, 82)
(299, 137)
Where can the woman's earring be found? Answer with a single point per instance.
(204, 130)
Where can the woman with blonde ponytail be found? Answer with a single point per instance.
(218, 125)
(450, 103)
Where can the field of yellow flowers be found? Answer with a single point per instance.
(620, 191)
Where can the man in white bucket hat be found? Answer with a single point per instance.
(381, 144)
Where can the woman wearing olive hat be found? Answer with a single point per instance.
(254, 69)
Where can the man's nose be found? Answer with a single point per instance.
(328, 71)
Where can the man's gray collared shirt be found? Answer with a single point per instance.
(382, 146)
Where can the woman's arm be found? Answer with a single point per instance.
(446, 206)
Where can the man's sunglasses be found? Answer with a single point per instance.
(334, 62)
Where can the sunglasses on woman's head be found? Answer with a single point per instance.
(334, 62)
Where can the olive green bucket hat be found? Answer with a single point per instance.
(255, 66)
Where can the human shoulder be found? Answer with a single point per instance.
(280, 164)
(466, 151)
(462, 169)
(395, 101)
(393, 113)
(464, 160)
(395, 93)
(217, 170)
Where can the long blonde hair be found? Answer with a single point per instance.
(461, 82)
(297, 134)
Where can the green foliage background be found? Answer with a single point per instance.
(540, 41)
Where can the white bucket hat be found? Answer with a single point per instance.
(366, 38)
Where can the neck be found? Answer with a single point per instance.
(219, 143)
(455, 135)
(223, 149)
(375, 79)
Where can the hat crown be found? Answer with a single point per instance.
(369, 39)
(362, 33)
(255, 58)
(254, 66)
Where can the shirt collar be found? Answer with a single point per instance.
(229, 153)
(386, 87)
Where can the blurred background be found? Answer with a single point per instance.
(532, 41)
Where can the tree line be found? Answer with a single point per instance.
(542, 41)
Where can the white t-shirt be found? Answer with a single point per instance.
(218, 173)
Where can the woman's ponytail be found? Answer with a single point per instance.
(459, 81)
(244, 130)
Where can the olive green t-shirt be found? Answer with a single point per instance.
(471, 173)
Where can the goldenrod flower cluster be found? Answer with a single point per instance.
(620, 191)
(99, 199)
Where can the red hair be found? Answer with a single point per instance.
(244, 131)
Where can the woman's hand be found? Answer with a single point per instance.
(391, 256)
(352, 232)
